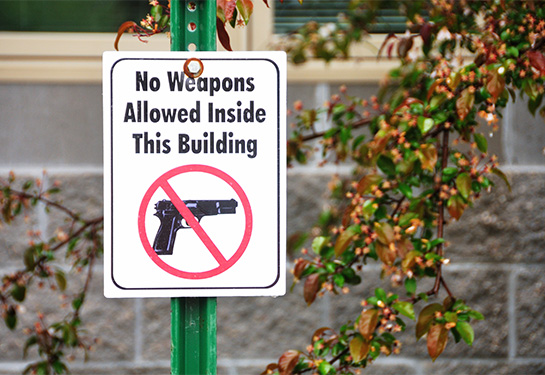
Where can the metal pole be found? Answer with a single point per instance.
(193, 320)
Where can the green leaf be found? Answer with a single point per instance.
(425, 124)
(405, 308)
(482, 143)
(410, 285)
(463, 184)
(406, 190)
(318, 243)
(381, 294)
(32, 340)
(405, 219)
(476, 315)
(386, 165)
(11, 318)
(61, 279)
(451, 317)
(326, 368)
(466, 331)
(18, 292)
(339, 280)
(502, 175)
(156, 12)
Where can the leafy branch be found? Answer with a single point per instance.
(80, 241)
(410, 177)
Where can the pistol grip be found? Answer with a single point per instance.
(165, 237)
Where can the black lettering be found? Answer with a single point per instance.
(249, 113)
(155, 115)
(154, 84)
(195, 113)
(168, 114)
(137, 138)
(166, 147)
(251, 86)
(141, 82)
(182, 115)
(183, 146)
(190, 84)
(252, 148)
(202, 84)
(129, 113)
(176, 81)
(260, 115)
(215, 85)
(239, 84)
(227, 84)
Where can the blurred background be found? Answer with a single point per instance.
(51, 118)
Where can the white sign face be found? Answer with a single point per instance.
(194, 174)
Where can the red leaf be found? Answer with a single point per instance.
(495, 84)
(404, 46)
(300, 265)
(312, 286)
(437, 340)
(456, 206)
(270, 368)
(288, 361)
(386, 254)
(226, 9)
(390, 36)
(426, 318)
(358, 349)
(407, 103)
(425, 32)
(464, 103)
(368, 323)
(267, 3)
(245, 9)
(128, 25)
(385, 233)
(222, 35)
(367, 182)
(537, 60)
(344, 240)
(318, 333)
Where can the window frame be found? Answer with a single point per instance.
(60, 57)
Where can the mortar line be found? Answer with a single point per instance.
(138, 336)
(512, 314)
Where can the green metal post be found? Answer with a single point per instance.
(193, 320)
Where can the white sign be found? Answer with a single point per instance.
(194, 174)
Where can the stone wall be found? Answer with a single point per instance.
(498, 261)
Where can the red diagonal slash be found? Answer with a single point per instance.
(192, 222)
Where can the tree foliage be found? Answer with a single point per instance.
(420, 160)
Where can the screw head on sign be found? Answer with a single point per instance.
(193, 68)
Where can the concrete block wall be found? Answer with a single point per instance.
(498, 261)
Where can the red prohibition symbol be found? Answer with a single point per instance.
(163, 183)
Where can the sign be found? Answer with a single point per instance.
(194, 174)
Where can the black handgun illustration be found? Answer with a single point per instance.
(172, 220)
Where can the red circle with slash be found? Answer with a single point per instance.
(162, 182)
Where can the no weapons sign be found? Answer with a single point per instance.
(194, 173)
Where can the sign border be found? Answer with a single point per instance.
(278, 169)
